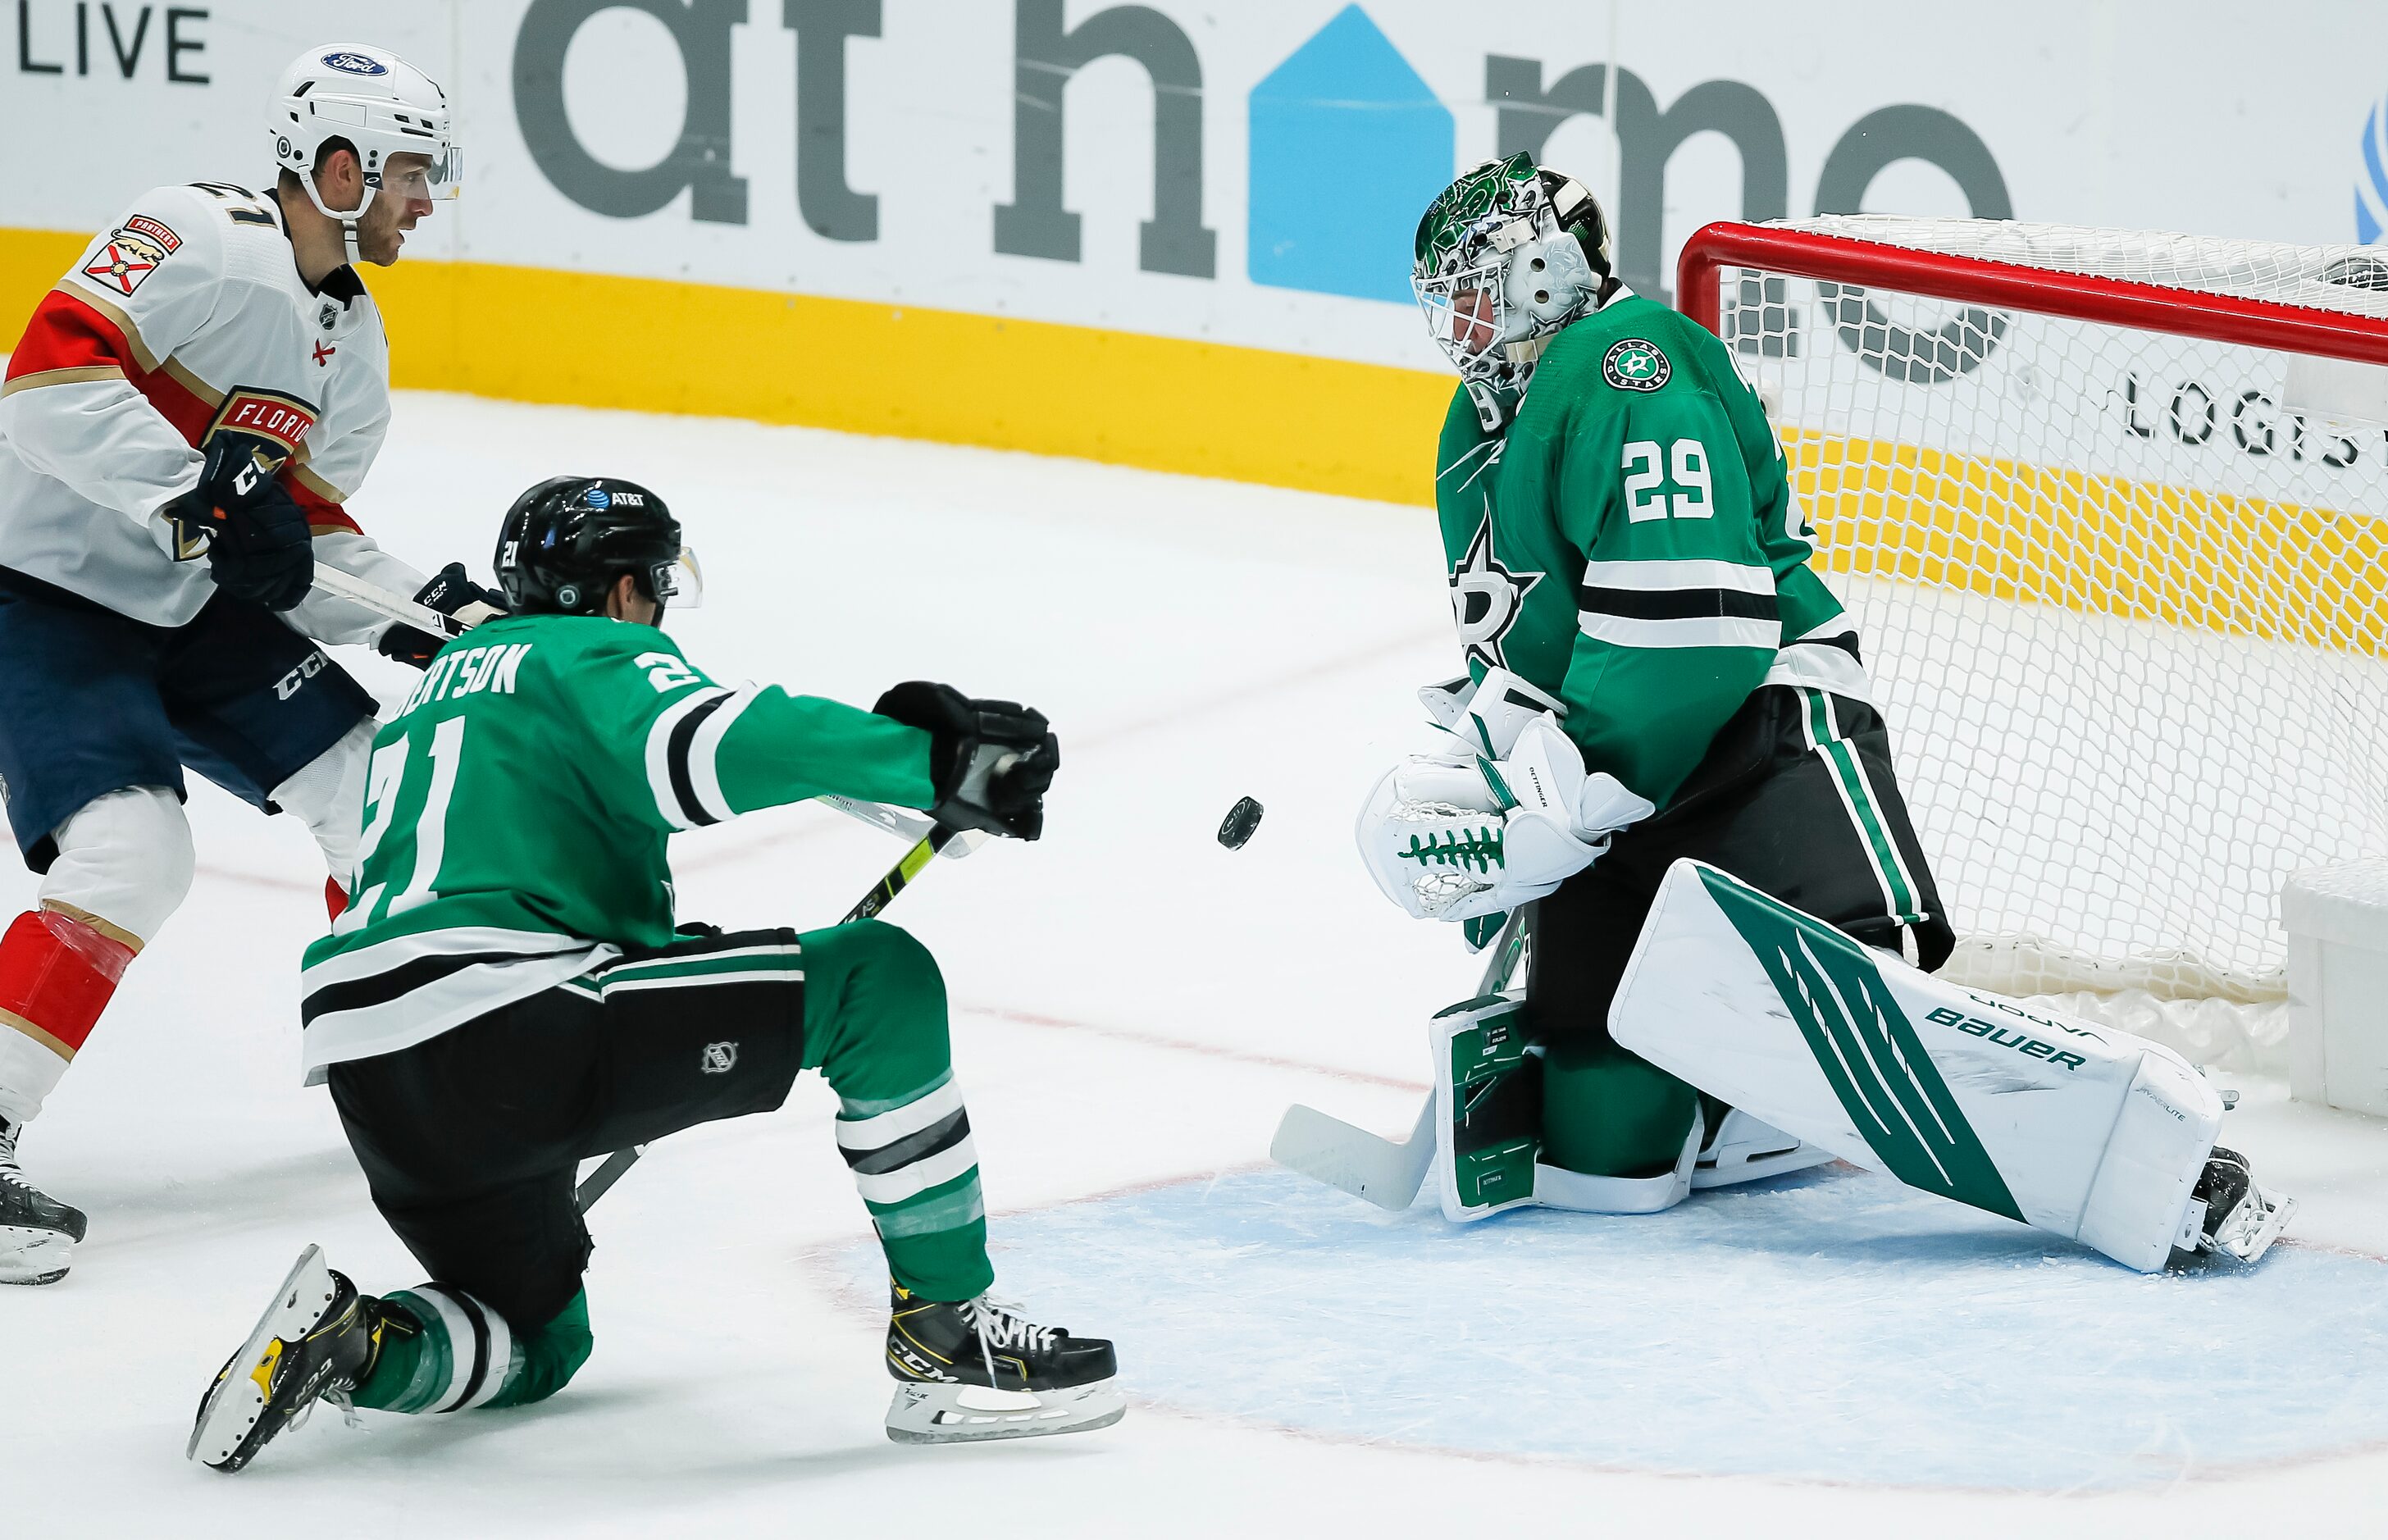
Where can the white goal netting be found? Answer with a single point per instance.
(2122, 592)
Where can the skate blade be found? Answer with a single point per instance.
(236, 1401)
(972, 1414)
(34, 1256)
(1735, 1164)
(2252, 1227)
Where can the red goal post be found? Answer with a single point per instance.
(2011, 286)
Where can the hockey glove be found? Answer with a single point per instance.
(991, 761)
(452, 593)
(255, 535)
(1453, 841)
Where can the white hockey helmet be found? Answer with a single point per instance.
(380, 105)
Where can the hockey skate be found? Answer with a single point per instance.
(2228, 1213)
(314, 1342)
(981, 1371)
(37, 1232)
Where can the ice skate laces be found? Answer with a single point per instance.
(10, 1171)
(1002, 1326)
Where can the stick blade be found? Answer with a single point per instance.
(1352, 1159)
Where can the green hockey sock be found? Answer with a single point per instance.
(444, 1351)
(875, 1025)
(1606, 1112)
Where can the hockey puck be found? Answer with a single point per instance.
(1238, 826)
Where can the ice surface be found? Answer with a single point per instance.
(1135, 1007)
(1794, 1328)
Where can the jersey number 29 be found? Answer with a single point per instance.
(1650, 495)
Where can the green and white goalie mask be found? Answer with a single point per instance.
(1506, 256)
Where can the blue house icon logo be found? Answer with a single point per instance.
(1348, 147)
(2371, 187)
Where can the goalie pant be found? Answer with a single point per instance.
(1796, 796)
(470, 1141)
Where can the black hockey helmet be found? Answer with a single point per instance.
(566, 540)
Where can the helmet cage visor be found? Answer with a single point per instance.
(441, 180)
(1468, 309)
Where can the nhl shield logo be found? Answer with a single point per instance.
(1636, 364)
(718, 1058)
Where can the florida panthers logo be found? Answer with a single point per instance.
(1486, 598)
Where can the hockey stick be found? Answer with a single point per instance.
(423, 617)
(882, 894)
(1384, 1172)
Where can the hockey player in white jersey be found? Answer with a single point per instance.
(186, 414)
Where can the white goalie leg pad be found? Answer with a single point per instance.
(124, 864)
(2090, 1133)
(328, 795)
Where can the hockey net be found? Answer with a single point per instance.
(2110, 509)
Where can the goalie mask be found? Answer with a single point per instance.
(1506, 256)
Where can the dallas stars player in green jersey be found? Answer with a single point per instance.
(507, 995)
(1654, 672)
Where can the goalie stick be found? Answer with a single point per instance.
(423, 617)
(1384, 1172)
(882, 894)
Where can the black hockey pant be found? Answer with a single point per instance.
(1797, 797)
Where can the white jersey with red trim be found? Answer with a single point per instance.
(189, 316)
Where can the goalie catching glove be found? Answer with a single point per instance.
(991, 761)
(1500, 816)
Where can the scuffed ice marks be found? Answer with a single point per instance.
(1825, 1327)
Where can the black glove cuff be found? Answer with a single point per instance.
(944, 714)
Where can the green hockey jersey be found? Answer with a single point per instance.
(517, 809)
(1629, 542)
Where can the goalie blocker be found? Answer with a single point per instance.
(2093, 1134)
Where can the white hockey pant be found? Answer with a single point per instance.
(125, 860)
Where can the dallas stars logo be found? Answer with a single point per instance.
(1636, 364)
(1486, 598)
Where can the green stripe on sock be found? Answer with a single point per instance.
(947, 1205)
(854, 1109)
(416, 1363)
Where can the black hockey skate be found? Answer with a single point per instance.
(2231, 1214)
(37, 1232)
(981, 1371)
(314, 1342)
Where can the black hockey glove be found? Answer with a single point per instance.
(451, 592)
(257, 535)
(991, 761)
